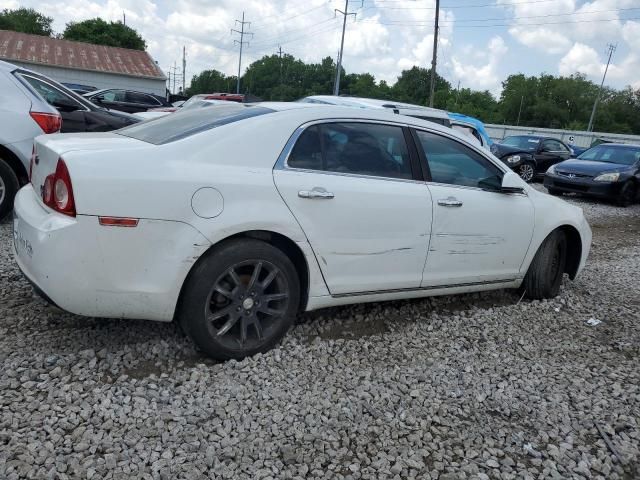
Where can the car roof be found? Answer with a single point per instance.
(632, 145)
(363, 102)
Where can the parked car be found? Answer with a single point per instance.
(78, 88)
(127, 100)
(32, 104)
(182, 217)
(609, 170)
(471, 126)
(531, 155)
(417, 111)
(159, 112)
(462, 123)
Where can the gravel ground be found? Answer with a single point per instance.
(471, 386)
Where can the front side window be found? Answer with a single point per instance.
(51, 95)
(553, 146)
(452, 163)
(353, 148)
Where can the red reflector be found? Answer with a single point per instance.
(118, 222)
(48, 122)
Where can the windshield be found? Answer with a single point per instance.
(184, 124)
(525, 143)
(624, 155)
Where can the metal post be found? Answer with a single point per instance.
(520, 110)
(435, 55)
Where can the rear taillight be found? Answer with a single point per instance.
(58, 191)
(48, 122)
(31, 162)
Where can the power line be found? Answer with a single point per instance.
(242, 43)
(287, 32)
(280, 20)
(504, 24)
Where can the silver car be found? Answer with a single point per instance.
(23, 116)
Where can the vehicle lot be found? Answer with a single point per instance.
(471, 386)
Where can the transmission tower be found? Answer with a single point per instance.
(242, 43)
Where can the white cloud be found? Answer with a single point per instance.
(542, 38)
(484, 75)
(581, 59)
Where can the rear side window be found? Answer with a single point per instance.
(353, 148)
(135, 97)
(453, 163)
(48, 92)
(113, 96)
(181, 125)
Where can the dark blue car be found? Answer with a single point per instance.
(609, 171)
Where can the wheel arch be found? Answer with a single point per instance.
(14, 163)
(574, 250)
(279, 241)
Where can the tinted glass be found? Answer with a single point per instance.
(184, 124)
(612, 154)
(50, 94)
(135, 97)
(525, 143)
(112, 96)
(453, 163)
(554, 146)
(355, 148)
(307, 152)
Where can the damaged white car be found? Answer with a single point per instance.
(234, 219)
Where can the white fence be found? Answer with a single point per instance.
(577, 138)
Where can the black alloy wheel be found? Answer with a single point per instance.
(240, 299)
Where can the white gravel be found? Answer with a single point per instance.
(461, 387)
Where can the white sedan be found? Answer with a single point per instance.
(233, 219)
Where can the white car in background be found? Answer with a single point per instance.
(190, 104)
(234, 219)
(430, 114)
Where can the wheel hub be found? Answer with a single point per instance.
(248, 303)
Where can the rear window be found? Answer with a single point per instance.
(177, 126)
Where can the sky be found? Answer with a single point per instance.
(480, 43)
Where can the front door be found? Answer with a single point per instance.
(549, 153)
(477, 235)
(354, 189)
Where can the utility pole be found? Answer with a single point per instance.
(240, 42)
(457, 94)
(280, 55)
(124, 19)
(612, 48)
(345, 14)
(520, 109)
(435, 55)
(174, 77)
(184, 68)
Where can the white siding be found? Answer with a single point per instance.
(98, 79)
(571, 137)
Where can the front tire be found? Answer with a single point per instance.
(627, 194)
(555, 192)
(241, 299)
(9, 186)
(544, 277)
(526, 172)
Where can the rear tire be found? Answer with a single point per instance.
(241, 299)
(9, 186)
(544, 277)
(627, 195)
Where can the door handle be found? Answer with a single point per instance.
(316, 193)
(449, 202)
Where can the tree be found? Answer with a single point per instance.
(211, 81)
(26, 20)
(112, 34)
(413, 87)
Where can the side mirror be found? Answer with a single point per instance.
(512, 183)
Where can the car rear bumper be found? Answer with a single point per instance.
(583, 185)
(97, 271)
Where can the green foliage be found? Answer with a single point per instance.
(112, 34)
(26, 20)
(547, 101)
